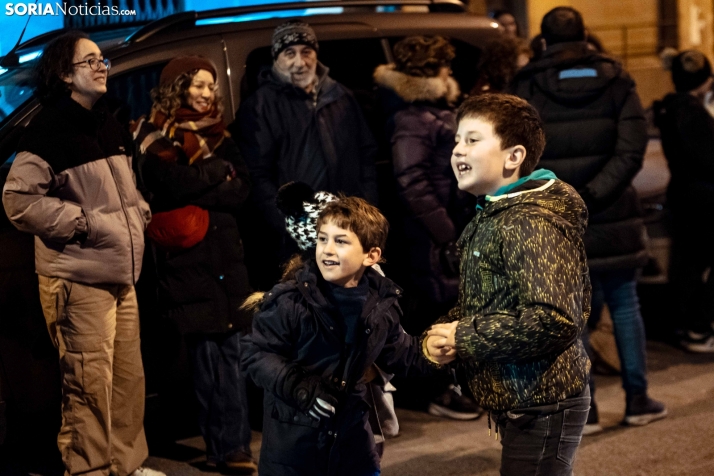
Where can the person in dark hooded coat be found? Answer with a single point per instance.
(418, 94)
(596, 137)
(687, 132)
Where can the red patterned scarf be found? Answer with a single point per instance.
(197, 133)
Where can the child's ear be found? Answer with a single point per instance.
(515, 158)
(373, 256)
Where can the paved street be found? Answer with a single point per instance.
(682, 444)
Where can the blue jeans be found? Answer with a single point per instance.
(220, 389)
(543, 440)
(618, 289)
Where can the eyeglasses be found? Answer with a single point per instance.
(95, 64)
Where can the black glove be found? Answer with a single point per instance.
(312, 395)
(449, 258)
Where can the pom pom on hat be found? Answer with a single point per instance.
(301, 206)
(291, 197)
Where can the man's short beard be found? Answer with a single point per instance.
(305, 82)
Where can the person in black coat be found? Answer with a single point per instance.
(314, 340)
(300, 125)
(418, 95)
(596, 137)
(198, 182)
(687, 132)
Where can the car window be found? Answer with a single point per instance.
(464, 67)
(15, 88)
(129, 93)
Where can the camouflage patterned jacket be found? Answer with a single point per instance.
(524, 296)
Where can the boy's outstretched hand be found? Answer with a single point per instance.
(441, 342)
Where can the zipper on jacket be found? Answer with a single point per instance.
(126, 217)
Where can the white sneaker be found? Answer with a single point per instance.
(141, 471)
(698, 343)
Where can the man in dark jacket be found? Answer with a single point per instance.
(300, 125)
(595, 140)
(71, 185)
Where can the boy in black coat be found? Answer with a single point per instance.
(315, 337)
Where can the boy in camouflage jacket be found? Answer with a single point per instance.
(524, 294)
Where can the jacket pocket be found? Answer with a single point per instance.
(571, 434)
(294, 437)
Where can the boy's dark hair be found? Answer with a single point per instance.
(514, 121)
(358, 216)
(56, 61)
(561, 25)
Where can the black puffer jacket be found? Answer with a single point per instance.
(422, 126)
(287, 135)
(201, 288)
(687, 132)
(297, 326)
(596, 137)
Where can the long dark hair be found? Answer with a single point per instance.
(55, 63)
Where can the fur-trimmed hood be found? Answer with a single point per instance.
(414, 88)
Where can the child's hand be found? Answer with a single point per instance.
(439, 354)
(446, 331)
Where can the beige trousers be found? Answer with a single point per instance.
(96, 330)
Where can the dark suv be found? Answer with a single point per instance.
(354, 36)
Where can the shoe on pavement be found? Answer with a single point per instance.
(452, 405)
(236, 462)
(592, 426)
(698, 343)
(642, 410)
(141, 471)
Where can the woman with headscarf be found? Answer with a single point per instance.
(197, 182)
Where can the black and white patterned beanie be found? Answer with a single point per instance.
(293, 32)
(301, 206)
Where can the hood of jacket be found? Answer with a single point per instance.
(414, 88)
(589, 73)
(548, 196)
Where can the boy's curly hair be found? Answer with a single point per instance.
(361, 218)
(170, 97)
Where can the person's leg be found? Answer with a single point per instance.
(129, 449)
(230, 420)
(597, 304)
(221, 392)
(620, 289)
(81, 320)
(203, 352)
(543, 444)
